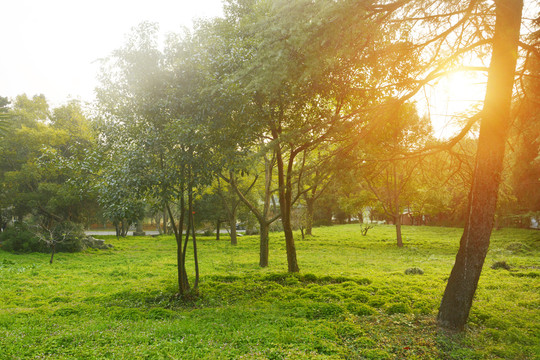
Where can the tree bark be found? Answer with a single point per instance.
(232, 225)
(264, 241)
(285, 199)
(165, 221)
(195, 254)
(218, 228)
(53, 250)
(183, 284)
(397, 222)
(310, 207)
(463, 281)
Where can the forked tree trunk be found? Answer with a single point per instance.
(285, 205)
(183, 283)
(459, 293)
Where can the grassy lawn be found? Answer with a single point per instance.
(351, 300)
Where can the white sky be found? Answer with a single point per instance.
(50, 47)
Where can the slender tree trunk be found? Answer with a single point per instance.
(53, 250)
(232, 224)
(194, 238)
(165, 221)
(218, 228)
(397, 222)
(310, 207)
(262, 217)
(157, 219)
(459, 292)
(264, 243)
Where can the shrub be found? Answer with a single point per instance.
(69, 237)
(500, 265)
(414, 271)
(19, 239)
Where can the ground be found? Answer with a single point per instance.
(351, 300)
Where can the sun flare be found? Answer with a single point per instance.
(452, 99)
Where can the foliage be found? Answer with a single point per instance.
(42, 171)
(68, 237)
(19, 238)
(23, 238)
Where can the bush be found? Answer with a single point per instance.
(500, 265)
(414, 271)
(19, 239)
(69, 237)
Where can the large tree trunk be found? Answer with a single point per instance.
(292, 262)
(459, 293)
(264, 243)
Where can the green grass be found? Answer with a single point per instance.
(351, 300)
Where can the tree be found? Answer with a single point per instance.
(230, 203)
(41, 171)
(442, 185)
(263, 210)
(461, 286)
(526, 137)
(300, 89)
(392, 180)
(60, 234)
(316, 175)
(4, 117)
(154, 124)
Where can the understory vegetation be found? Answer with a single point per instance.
(358, 297)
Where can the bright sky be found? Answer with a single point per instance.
(50, 47)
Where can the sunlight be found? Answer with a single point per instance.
(452, 99)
